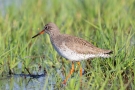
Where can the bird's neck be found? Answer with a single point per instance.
(54, 35)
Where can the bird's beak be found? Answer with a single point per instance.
(39, 33)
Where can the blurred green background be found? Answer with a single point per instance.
(108, 24)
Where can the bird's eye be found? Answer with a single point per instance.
(46, 27)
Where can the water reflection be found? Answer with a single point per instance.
(25, 82)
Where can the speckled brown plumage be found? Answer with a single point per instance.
(78, 45)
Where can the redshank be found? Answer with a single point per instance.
(72, 48)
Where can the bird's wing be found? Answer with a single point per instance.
(82, 46)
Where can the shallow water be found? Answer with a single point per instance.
(25, 82)
(22, 83)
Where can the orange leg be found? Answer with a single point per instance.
(79, 64)
(71, 72)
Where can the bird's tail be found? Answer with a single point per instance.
(106, 54)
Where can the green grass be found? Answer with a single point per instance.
(107, 24)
